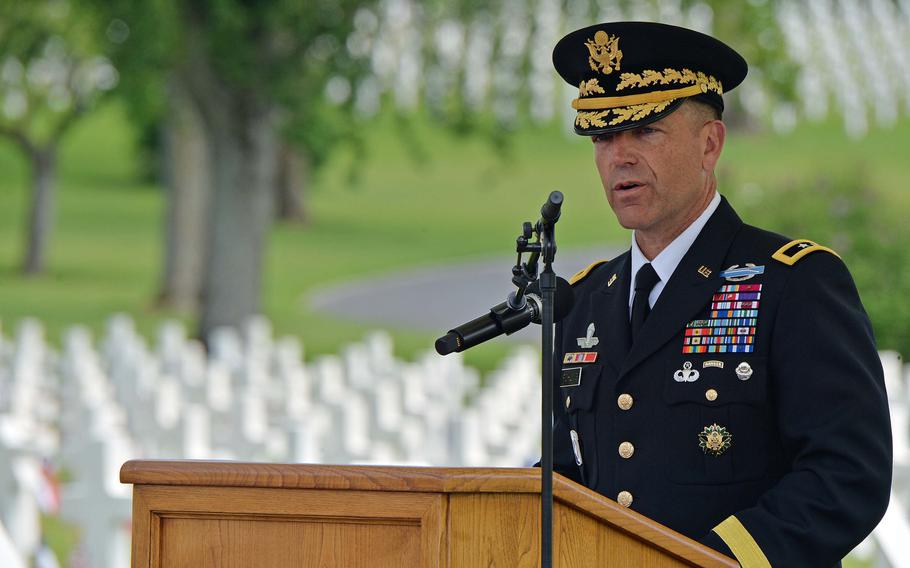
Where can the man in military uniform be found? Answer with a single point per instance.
(718, 378)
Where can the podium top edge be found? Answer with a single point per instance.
(313, 476)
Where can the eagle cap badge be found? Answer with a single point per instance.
(604, 52)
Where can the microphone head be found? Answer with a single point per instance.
(448, 343)
(565, 298)
(551, 209)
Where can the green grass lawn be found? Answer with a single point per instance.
(465, 198)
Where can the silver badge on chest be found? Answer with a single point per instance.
(743, 371)
(686, 375)
(589, 340)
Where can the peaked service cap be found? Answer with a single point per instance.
(630, 74)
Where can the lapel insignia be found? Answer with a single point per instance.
(611, 281)
(730, 326)
(704, 271)
(589, 340)
(737, 274)
(713, 363)
(743, 371)
(686, 375)
(715, 440)
(570, 377)
(583, 357)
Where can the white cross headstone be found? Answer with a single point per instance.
(9, 555)
(98, 502)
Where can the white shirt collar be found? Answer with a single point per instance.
(669, 258)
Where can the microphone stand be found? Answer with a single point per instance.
(523, 274)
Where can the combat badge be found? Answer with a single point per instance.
(715, 440)
(737, 274)
(589, 340)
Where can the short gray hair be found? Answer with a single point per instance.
(705, 110)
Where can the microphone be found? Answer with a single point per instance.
(504, 320)
(550, 211)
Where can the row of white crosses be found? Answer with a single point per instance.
(487, 54)
(95, 441)
(852, 57)
(28, 437)
(253, 398)
(97, 404)
(855, 53)
(888, 544)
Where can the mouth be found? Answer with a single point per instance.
(627, 185)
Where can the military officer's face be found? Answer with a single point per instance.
(659, 178)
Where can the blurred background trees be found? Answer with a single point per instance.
(258, 95)
(237, 108)
(243, 116)
(53, 69)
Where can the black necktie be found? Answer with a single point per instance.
(645, 280)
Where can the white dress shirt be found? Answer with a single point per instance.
(668, 259)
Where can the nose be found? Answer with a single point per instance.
(617, 149)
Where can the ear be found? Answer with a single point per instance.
(713, 135)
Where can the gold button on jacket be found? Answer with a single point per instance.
(624, 401)
(626, 449)
(624, 498)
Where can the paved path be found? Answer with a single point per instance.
(439, 298)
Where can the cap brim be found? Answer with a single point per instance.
(606, 127)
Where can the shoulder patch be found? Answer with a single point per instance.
(582, 274)
(797, 249)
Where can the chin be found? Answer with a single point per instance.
(631, 222)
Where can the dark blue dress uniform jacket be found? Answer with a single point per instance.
(807, 472)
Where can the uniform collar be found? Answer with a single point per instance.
(666, 262)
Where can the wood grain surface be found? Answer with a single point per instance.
(209, 513)
(284, 528)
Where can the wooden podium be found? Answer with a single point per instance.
(195, 514)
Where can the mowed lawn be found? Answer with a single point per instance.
(461, 198)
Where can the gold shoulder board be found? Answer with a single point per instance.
(796, 249)
(581, 274)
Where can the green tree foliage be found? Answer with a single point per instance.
(752, 29)
(270, 64)
(256, 74)
(283, 50)
(848, 215)
(53, 69)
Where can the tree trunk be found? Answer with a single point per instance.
(293, 178)
(41, 215)
(188, 183)
(243, 147)
(245, 158)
